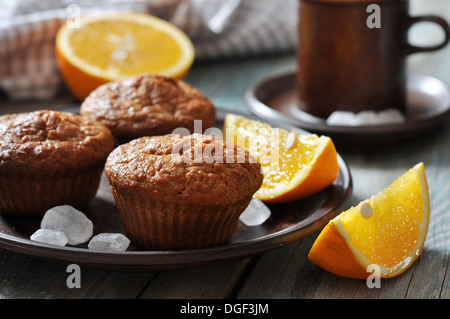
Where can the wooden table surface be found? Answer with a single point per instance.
(285, 272)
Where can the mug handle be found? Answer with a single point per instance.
(410, 49)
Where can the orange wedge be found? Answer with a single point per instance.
(294, 165)
(387, 230)
(115, 46)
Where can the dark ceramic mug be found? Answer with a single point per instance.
(352, 54)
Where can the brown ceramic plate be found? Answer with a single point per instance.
(275, 99)
(288, 223)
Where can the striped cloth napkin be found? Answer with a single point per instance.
(218, 28)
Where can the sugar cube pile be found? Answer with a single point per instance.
(62, 225)
(346, 118)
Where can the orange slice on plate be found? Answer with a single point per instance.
(387, 231)
(294, 165)
(98, 49)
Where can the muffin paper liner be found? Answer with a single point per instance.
(33, 197)
(157, 225)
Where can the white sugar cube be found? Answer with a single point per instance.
(391, 116)
(342, 118)
(50, 236)
(73, 223)
(109, 242)
(366, 118)
(255, 214)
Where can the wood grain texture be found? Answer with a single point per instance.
(23, 277)
(198, 283)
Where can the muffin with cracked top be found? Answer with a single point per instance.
(50, 158)
(181, 192)
(148, 105)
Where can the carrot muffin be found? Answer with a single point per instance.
(181, 192)
(50, 158)
(148, 105)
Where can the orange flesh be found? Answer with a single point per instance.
(118, 53)
(271, 152)
(391, 237)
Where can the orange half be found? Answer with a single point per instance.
(111, 47)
